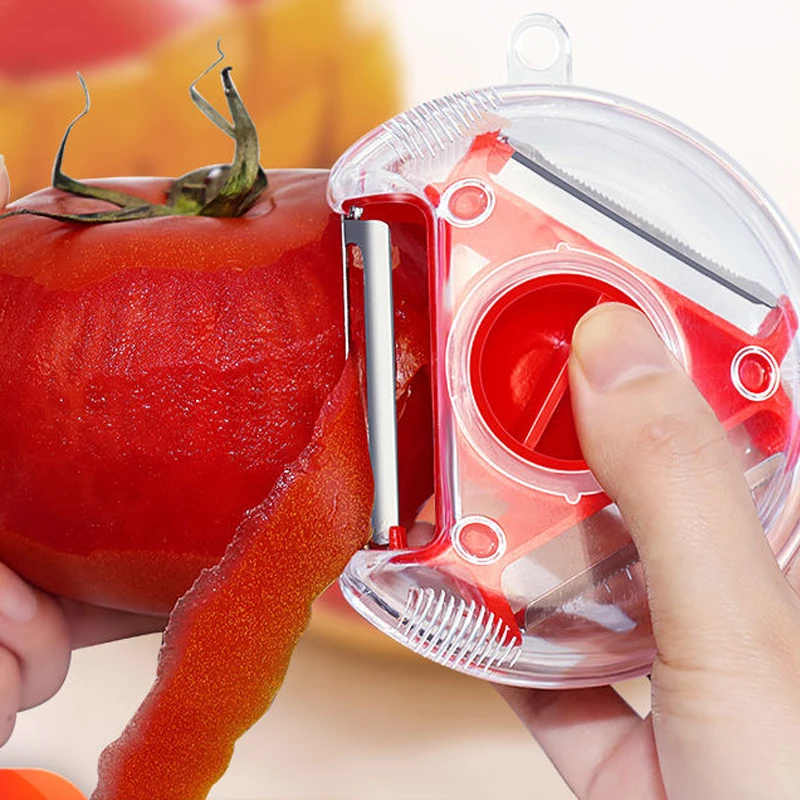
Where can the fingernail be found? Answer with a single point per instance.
(18, 601)
(615, 344)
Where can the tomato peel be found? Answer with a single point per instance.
(229, 639)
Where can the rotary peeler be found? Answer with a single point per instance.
(539, 200)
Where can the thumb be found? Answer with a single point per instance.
(661, 454)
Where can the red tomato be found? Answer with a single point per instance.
(58, 35)
(157, 375)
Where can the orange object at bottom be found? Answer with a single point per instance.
(36, 784)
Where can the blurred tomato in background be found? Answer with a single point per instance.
(314, 75)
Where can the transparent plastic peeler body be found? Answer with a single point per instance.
(539, 201)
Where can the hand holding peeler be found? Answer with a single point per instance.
(540, 200)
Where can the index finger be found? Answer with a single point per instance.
(662, 455)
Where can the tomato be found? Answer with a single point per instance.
(157, 375)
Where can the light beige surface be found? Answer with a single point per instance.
(345, 726)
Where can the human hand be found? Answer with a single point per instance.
(726, 679)
(38, 633)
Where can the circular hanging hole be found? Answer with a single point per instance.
(538, 48)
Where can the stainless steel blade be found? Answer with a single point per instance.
(610, 225)
(373, 239)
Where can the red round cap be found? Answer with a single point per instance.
(518, 365)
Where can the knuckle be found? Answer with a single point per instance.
(694, 442)
(762, 648)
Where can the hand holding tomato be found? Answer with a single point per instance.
(34, 648)
(38, 633)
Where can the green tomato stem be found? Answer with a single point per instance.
(226, 190)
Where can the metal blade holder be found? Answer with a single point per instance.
(540, 200)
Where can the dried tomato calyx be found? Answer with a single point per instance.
(222, 190)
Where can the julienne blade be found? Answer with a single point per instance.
(230, 637)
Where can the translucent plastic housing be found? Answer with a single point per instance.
(541, 202)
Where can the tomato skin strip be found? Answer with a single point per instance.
(229, 639)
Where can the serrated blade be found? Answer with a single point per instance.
(617, 229)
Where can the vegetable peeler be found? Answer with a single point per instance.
(540, 200)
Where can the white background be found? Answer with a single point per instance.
(354, 726)
(728, 68)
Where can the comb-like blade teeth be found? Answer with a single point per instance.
(458, 632)
(491, 642)
(477, 628)
(430, 619)
(422, 603)
(492, 651)
(411, 601)
(433, 128)
(511, 647)
(437, 644)
(501, 641)
(447, 630)
(468, 656)
(444, 610)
